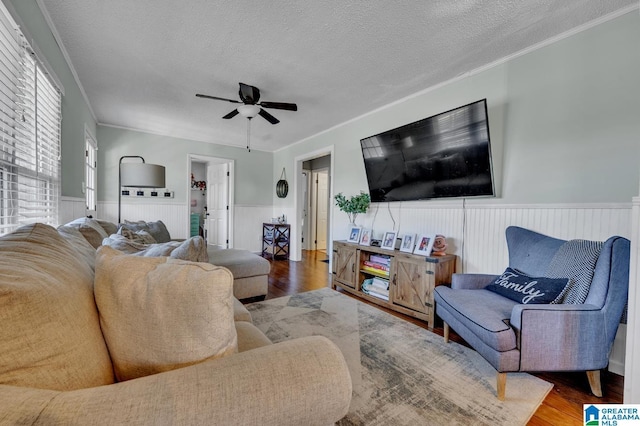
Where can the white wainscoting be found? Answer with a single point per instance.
(247, 229)
(71, 208)
(173, 215)
(476, 233)
(485, 248)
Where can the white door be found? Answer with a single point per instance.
(306, 234)
(321, 181)
(218, 204)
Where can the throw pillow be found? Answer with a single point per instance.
(50, 335)
(157, 229)
(159, 314)
(90, 230)
(140, 236)
(109, 227)
(193, 249)
(524, 289)
(576, 259)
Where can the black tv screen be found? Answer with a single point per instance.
(447, 155)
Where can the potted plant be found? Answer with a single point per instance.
(354, 205)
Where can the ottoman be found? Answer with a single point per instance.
(250, 271)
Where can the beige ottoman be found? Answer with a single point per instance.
(250, 271)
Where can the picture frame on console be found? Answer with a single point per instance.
(424, 244)
(354, 234)
(389, 240)
(408, 242)
(365, 237)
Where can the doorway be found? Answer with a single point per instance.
(311, 228)
(211, 204)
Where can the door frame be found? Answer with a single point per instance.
(298, 201)
(231, 190)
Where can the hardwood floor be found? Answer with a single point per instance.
(563, 405)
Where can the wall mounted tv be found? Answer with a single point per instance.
(447, 155)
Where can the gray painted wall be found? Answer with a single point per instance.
(564, 121)
(75, 111)
(253, 170)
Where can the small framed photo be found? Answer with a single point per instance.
(408, 241)
(424, 244)
(354, 234)
(389, 240)
(365, 237)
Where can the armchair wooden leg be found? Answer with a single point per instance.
(594, 382)
(446, 332)
(502, 385)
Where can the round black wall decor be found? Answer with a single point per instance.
(282, 187)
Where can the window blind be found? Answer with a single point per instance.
(30, 116)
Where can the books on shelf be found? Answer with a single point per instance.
(374, 271)
(380, 259)
(376, 287)
(375, 265)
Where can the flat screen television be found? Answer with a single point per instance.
(446, 155)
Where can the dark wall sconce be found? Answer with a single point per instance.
(282, 187)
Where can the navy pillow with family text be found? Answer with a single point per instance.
(527, 290)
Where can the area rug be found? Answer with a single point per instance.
(402, 374)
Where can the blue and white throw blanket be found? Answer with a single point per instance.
(575, 259)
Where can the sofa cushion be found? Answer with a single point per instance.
(90, 230)
(485, 313)
(157, 229)
(241, 263)
(159, 314)
(193, 249)
(528, 290)
(50, 335)
(250, 337)
(240, 313)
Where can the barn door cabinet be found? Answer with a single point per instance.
(410, 279)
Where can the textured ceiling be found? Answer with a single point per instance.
(141, 62)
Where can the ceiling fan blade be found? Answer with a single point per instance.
(217, 98)
(270, 118)
(279, 105)
(231, 114)
(249, 94)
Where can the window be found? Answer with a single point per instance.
(30, 115)
(90, 172)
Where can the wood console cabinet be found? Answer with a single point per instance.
(275, 240)
(410, 278)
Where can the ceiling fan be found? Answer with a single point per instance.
(250, 97)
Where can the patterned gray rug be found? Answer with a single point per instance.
(402, 374)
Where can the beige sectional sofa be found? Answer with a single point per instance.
(105, 338)
(250, 271)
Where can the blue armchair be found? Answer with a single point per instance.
(541, 337)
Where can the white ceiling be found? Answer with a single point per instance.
(141, 62)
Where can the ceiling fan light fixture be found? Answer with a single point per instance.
(248, 111)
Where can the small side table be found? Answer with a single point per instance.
(275, 240)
